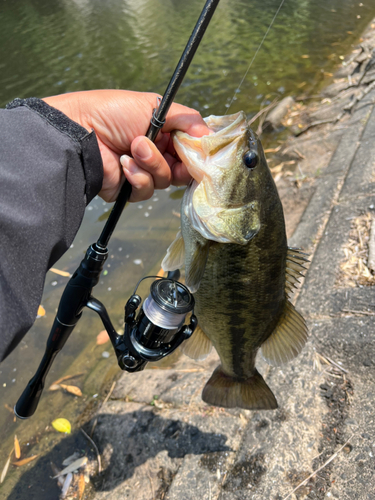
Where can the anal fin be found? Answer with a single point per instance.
(198, 347)
(288, 338)
(226, 391)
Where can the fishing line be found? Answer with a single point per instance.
(256, 53)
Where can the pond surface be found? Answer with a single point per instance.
(56, 46)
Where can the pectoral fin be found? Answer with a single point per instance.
(198, 347)
(197, 265)
(288, 338)
(175, 257)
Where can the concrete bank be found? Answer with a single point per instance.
(157, 438)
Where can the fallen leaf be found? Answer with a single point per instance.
(5, 470)
(72, 389)
(56, 470)
(17, 448)
(102, 337)
(60, 273)
(25, 461)
(66, 485)
(81, 486)
(305, 56)
(54, 387)
(62, 425)
(77, 464)
(9, 408)
(67, 377)
(278, 168)
(41, 312)
(69, 460)
(273, 150)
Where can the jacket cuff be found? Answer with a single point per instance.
(90, 152)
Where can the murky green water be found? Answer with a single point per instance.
(56, 46)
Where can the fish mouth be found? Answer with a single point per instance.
(195, 151)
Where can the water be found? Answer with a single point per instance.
(55, 46)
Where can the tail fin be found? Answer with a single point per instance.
(251, 394)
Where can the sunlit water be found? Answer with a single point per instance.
(56, 46)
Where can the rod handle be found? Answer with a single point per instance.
(29, 400)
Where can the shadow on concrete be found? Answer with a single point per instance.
(125, 441)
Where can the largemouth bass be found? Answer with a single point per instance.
(237, 263)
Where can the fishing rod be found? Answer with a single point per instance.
(158, 328)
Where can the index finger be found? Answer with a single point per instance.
(186, 119)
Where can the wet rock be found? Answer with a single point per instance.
(347, 69)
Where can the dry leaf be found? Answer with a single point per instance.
(81, 486)
(273, 150)
(72, 389)
(5, 470)
(66, 485)
(17, 448)
(60, 273)
(54, 387)
(67, 377)
(62, 425)
(278, 168)
(25, 461)
(9, 408)
(72, 467)
(305, 56)
(69, 460)
(56, 470)
(102, 337)
(41, 312)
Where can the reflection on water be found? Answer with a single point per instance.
(56, 46)
(64, 45)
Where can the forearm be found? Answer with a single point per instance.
(50, 167)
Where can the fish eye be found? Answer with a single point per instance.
(250, 159)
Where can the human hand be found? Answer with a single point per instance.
(120, 118)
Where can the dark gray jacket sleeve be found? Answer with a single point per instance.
(50, 169)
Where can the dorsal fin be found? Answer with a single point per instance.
(198, 347)
(288, 338)
(175, 256)
(295, 259)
